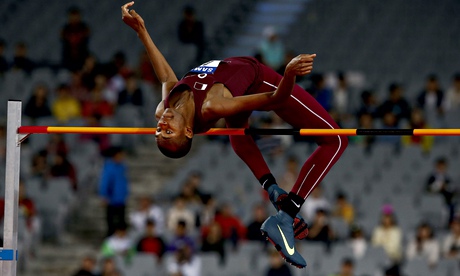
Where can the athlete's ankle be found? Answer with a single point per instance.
(267, 181)
(292, 204)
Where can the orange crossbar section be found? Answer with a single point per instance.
(327, 132)
(437, 132)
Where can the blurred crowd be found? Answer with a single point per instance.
(96, 92)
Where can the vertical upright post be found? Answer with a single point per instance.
(10, 233)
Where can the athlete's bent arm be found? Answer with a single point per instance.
(163, 70)
(221, 107)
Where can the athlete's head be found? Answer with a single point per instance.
(173, 136)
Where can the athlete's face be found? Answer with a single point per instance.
(172, 130)
(170, 125)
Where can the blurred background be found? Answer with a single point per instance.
(112, 205)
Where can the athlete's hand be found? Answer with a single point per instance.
(301, 65)
(131, 18)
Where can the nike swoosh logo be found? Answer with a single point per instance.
(296, 205)
(263, 185)
(290, 250)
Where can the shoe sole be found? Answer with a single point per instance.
(278, 247)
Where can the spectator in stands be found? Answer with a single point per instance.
(62, 167)
(388, 235)
(357, 242)
(65, 107)
(114, 188)
(259, 215)
(343, 209)
(3, 62)
(109, 268)
(37, 105)
(118, 244)
(277, 266)
(184, 263)
(212, 240)
(452, 100)
(103, 92)
(451, 243)
(365, 121)
(27, 208)
(390, 122)
(342, 98)
(395, 104)
(147, 212)
(271, 145)
(193, 192)
(347, 268)
(132, 94)
(188, 194)
(77, 87)
(181, 237)
(368, 104)
(75, 39)
(40, 166)
(440, 182)
(290, 174)
(320, 91)
(87, 268)
(417, 120)
(57, 145)
(424, 245)
(191, 31)
(145, 69)
(151, 242)
(233, 229)
(432, 97)
(102, 140)
(96, 105)
(320, 231)
(315, 202)
(272, 48)
(119, 66)
(90, 69)
(20, 60)
(179, 212)
(208, 212)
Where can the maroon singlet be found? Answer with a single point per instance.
(241, 76)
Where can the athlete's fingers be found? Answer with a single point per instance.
(133, 13)
(124, 8)
(127, 5)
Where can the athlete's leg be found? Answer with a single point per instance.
(247, 150)
(301, 110)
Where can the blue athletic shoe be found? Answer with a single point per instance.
(278, 230)
(277, 195)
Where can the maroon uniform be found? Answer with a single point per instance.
(245, 75)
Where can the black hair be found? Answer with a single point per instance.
(182, 149)
(456, 76)
(189, 10)
(182, 223)
(348, 261)
(393, 87)
(73, 10)
(441, 160)
(432, 77)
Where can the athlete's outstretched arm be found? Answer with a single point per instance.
(163, 70)
(221, 107)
